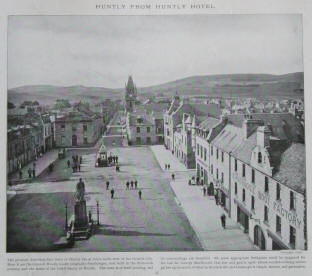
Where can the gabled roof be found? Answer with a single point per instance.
(208, 123)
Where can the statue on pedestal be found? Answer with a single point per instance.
(80, 191)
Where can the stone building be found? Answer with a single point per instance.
(131, 95)
(256, 165)
(78, 128)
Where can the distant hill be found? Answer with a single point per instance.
(235, 85)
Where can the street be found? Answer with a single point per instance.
(154, 223)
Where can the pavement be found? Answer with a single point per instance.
(164, 156)
(154, 223)
(203, 213)
(41, 164)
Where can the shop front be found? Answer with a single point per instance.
(243, 216)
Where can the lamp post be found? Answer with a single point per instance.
(66, 218)
(97, 212)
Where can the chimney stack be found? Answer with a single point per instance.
(250, 125)
(263, 136)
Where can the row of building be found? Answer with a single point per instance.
(32, 133)
(254, 164)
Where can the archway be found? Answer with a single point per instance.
(259, 238)
(74, 140)
(211, 189)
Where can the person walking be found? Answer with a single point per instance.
(80, 160)
(107, 185)
(204, 190)
(140, 194)
(135, 184)
(223, 220)
(112, 193)
(216, 198)
(168, 166)
(20, 174)
(131, 184)
(172, 176)
(127, 184)
(68, 163)
(79, 166)
(34, 173)
(29, 172)
(116, 159)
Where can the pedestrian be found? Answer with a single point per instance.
(127, 184)
(172, 176)
(197, 180)
(216, 198)
(168, 166)
(204, 190)
(34, 165)
(107, 185)
(68, 163)
(117, 169)
(34, 173)
(79, 167)
(80, 159)
(29, 172)
(140, 194)
(190, 182)
(20, 174)
(223, 220)
(90, 216)
(112, 193)
(135, 184)
(117, 159)
(131, 184)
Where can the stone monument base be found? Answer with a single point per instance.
(81, 227)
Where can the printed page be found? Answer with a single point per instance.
(155, 138)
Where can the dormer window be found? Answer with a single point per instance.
(259, 157)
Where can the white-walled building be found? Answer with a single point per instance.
(256, 165)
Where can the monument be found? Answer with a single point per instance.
(80, 225)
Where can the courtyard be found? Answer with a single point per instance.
(36, 214)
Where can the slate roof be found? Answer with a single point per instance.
(284, 125)
(146, 119)
(292, 169)
(208, 123)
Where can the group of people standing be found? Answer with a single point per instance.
(31, 171)
(129, 185)
(113, 159)
(77, 160)
(167, 166)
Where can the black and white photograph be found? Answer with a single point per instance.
(148, 133)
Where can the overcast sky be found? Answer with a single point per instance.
(104, 50)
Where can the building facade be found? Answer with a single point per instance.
(256, 167)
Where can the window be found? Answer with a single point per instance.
(244, 170)
(148, 140)
(292, 237)
(63, 127)
(278, 191)
(212, 169)
(292, 203)
(85, 140)
(278, 225)
(211, 150)
(198, 149)
(235, 188)
(85, 127)
(168, 132)
(201, 151)
(217, 153)
(139, 120)
(138, 130)
(222, 177)
(235, 165)
(138, 140)
(217, 173)
(201, 172)
(205, 154)
(222, 156)
(252, 175)
(266, 214)
(259, 157)
(266, 184)
(244, 195)
(148, 129)
(252, 202)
